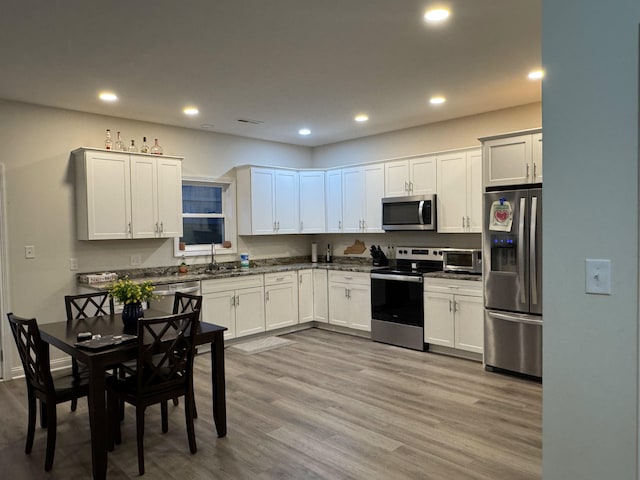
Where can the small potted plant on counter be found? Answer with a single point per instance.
(131, 295)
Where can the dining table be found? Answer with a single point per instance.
(64, 336)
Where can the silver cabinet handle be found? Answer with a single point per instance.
(346, 293)
(274, 226)
(300, 279)
(455, 307)
(364, 224)
(462, 222)
(279, 279)
(534, 171)
(301, 225)
(129, 228)
(359, 223)
(406, 186)
(339, 224)
(410, 186)
(237, 300)
(266, 296)
(278, 225)
(233, 301)
(527, 171)
(157, 228)
(161, 227)
(468, 222)
(450, 305)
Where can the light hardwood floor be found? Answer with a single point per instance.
(329, 406)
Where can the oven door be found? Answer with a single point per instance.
(397, 298)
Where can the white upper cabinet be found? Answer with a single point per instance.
(312, 204)
(156, 197)
(267, 201)
(121, 195)
(362, 193)
(333, 200)
(460, 192)
(414, 176)
(512, 159)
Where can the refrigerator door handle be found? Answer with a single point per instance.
(515, 318)
(523, 298)
(533, 260)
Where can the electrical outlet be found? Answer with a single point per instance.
(73, 264)
(136, 260)
(29, 251)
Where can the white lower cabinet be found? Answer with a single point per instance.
(236, 303)
(320, 296)
(305, 296)
(350, 300)
(281, 299)
(454, 314)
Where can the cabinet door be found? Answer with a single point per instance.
(108, 197)
(452, 192)
(536, 145)
(219, 308)
(262, 201)
(360, 307)
(396, 178)
(373, 177)
(438, 319)
(312, 210)
(320, 296)
(507, 161)
(249, 305)
(469, 323)
(305, 296)
(281, 305)
(144, 195)
(338, 304)
(474, 191)
(169, 195)
(286, 202)
(334, 201)
(422, 175)
(352, 200)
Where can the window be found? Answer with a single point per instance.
(207, 216)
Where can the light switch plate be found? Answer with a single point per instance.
(598, 276)
(29, 251)
(73, 264)
(136, 260)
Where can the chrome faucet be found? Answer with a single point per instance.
(213, 265)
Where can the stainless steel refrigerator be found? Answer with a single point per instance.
(512, 272)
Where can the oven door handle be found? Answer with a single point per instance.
(396, 278)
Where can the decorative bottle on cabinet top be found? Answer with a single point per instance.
(156, 149)
(108, 143)
(132, 147)
(119, 145)
(144, 148)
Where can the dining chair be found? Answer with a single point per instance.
(41, 384)
(182, 303)
(164, 370)
(83, 306)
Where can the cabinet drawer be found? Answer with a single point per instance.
(233, 283)
(354, 278)
(280, 277)
(472, 288)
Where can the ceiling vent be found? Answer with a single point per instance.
(248, 120)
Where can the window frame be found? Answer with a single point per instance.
(228, 186)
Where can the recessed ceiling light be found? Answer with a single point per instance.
(207, 125)
(190, 110)
(108, 96)
(304, 131)
(536, 74)
(437, 15)
(437, 100)
(361, 118)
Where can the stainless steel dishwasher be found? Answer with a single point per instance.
(165, 293)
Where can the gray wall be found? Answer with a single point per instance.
(590, 121)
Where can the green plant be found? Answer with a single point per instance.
(126, 291)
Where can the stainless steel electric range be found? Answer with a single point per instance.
(397, 297)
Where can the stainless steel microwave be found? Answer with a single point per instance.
(417, 212)
(462, 260)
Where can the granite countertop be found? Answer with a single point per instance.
(454, 276)
(224, 271)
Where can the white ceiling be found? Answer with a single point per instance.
(288, 63)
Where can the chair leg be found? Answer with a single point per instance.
(51, 434)
(74, 371)
(175, 401)
(140, 437)
(43, 414)
(31, 425)
(188, 413)
(164, 415)
(74, 404)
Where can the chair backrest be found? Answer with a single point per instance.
(88, 305)
(165, 352)
(185, 302)
(33, 352)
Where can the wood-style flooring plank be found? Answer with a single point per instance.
(329, 406)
